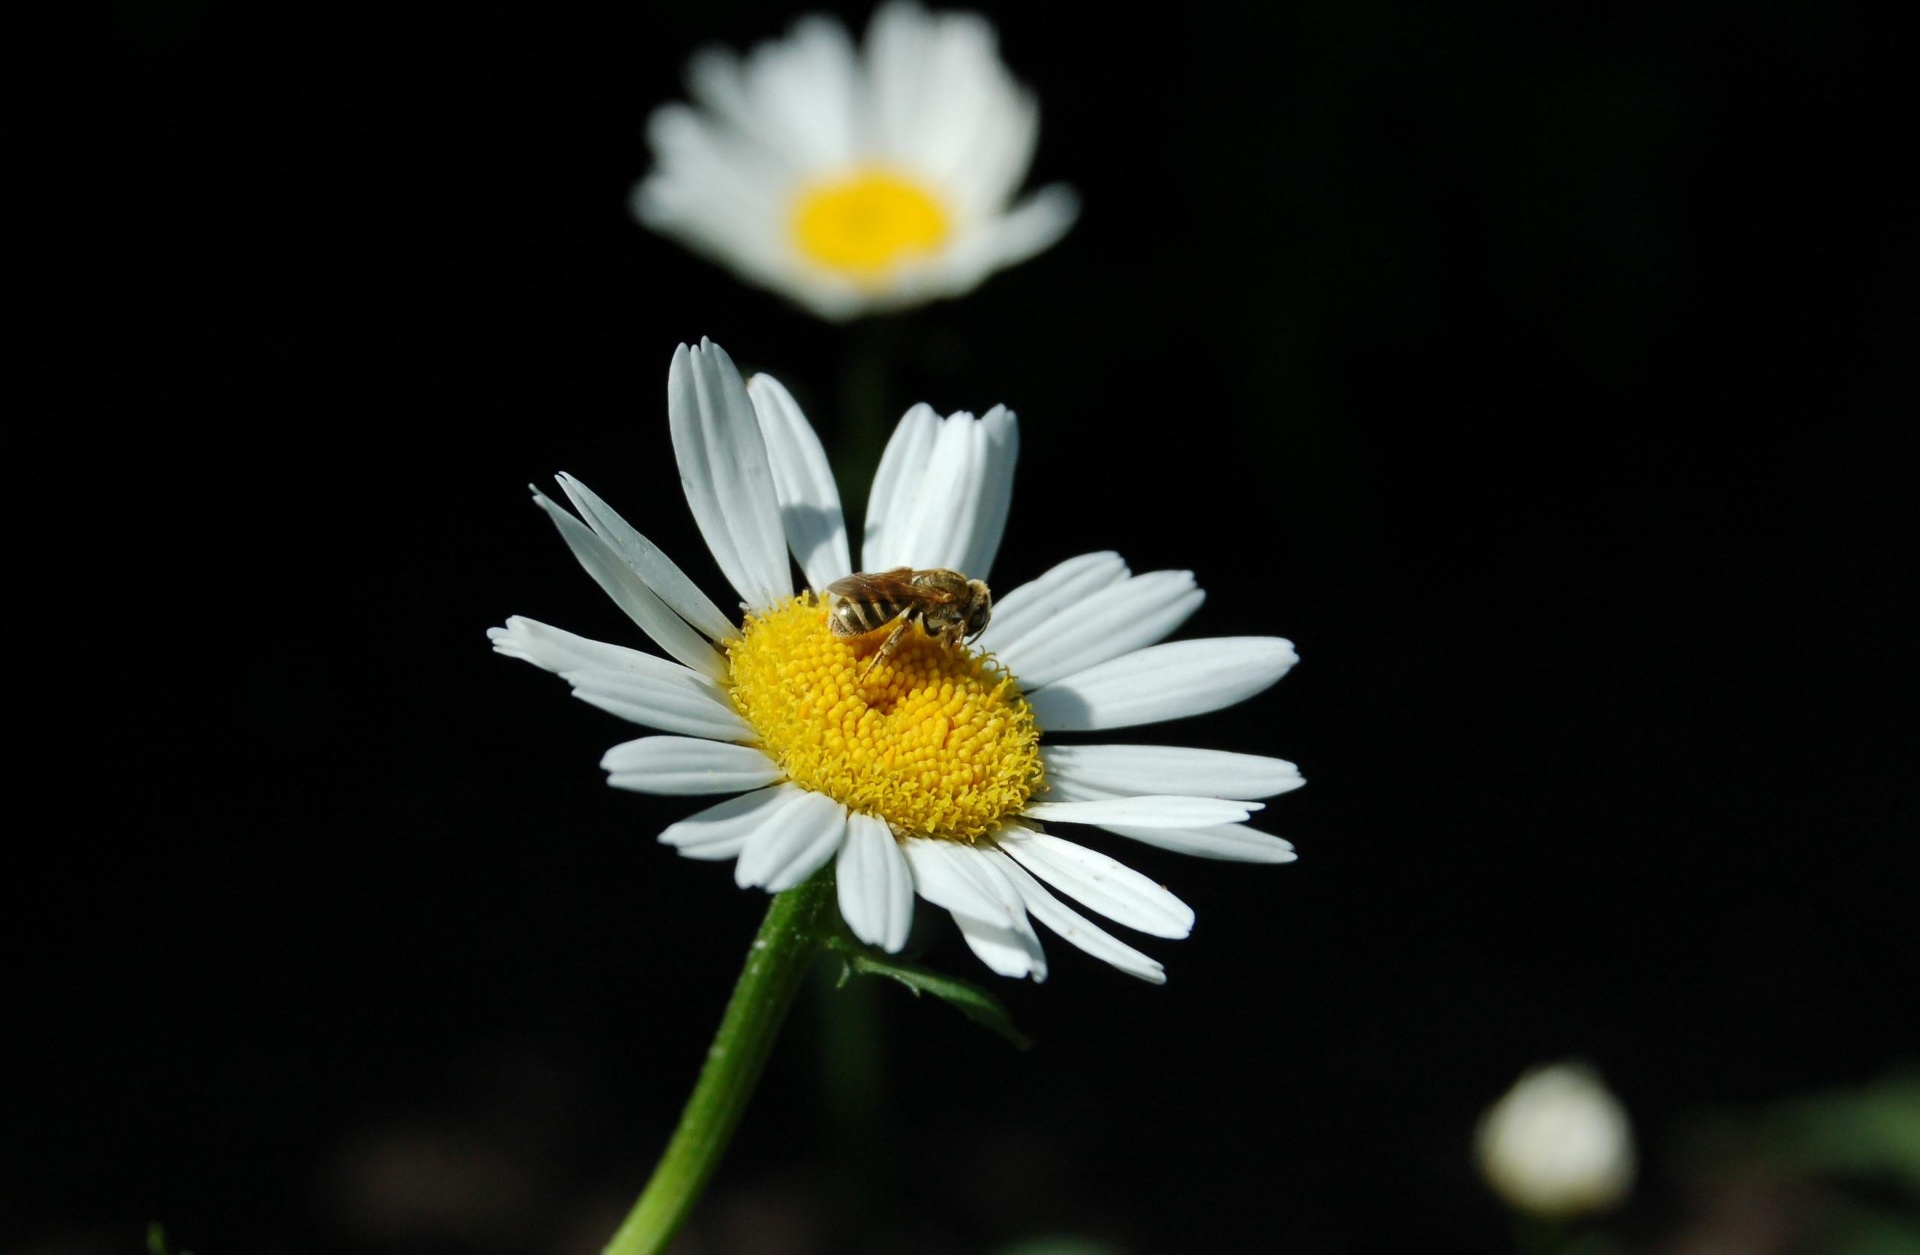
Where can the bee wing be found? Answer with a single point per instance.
(894, 585)
(940, 587)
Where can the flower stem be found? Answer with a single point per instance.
(790, 937)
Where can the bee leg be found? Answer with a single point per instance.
(886, 647)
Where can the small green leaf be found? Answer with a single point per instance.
(970, 1000)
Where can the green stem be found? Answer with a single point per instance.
(783, 951)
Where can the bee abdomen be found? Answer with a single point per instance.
(857, 618)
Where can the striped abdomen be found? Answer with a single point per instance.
(850, 617)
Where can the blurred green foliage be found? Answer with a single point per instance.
(1835, 1173)
(1871, 1133)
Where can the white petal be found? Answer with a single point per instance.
(714, 79)
(941, 520)
(1064, 789)
(1116, 891)
(803, 93)
(1079, 930)
(1161, 682)
(1083, 772)
(999, 241)
(783, 853)
(1156, 810)
(667, 629)
(722, 830)
(1006, 942)
(649, 562)
(724, 469)
(897, 49)
(809, 502)
(945, 878)
(1005, 133)
(1115, 620)
(557, 650)
(711, 169)
(677, 764)
(932, 74)
(941, 494)
(795, 97)
(716, 191)
(690, 707)
(931, 523)
(1235, 843)
(1036, 602)
(993, 496)
(875, 887)
(1006, 951)
(895, 482)
(1033, 226)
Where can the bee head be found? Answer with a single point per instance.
(979, 607)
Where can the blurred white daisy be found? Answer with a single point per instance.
(926, 775)
(855, 180)
(1558, 1143)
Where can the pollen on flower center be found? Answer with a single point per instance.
(865, 224)
(936, 740)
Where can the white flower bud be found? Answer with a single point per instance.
(1558, 1143)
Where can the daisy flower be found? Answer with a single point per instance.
(921, 769)
(1558, 1143)
(853, 180)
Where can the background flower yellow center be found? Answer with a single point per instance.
(866, 224)
(936, 740)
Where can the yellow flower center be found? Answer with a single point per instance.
(936, 740)
(868, 223)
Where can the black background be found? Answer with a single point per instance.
(1544, 374)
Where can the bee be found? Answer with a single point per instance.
(948, 605)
